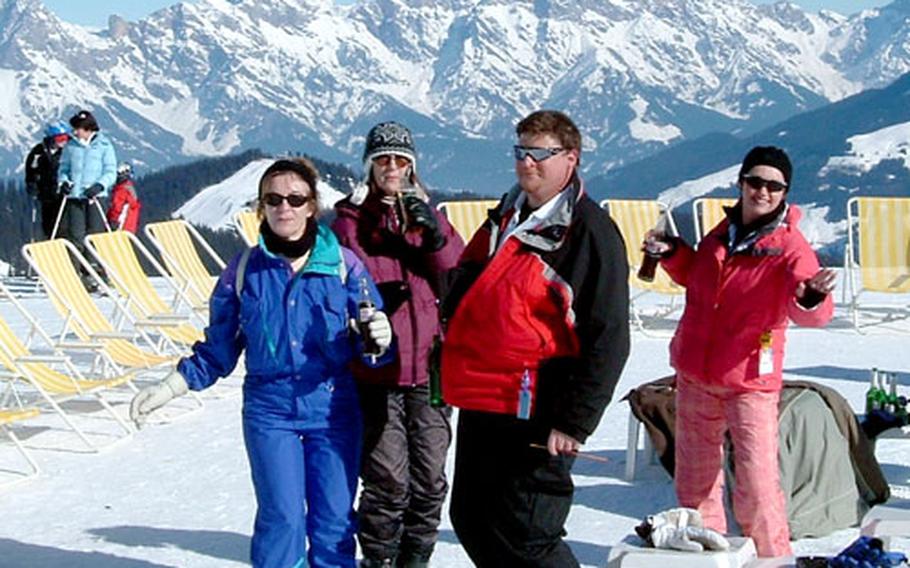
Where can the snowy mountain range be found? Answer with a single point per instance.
(219, 76)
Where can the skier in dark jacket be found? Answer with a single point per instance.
(41, 173)
(406, 245)
(537, 339)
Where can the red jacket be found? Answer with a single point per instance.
(554, 300)
(407, 274)
(731, 300)
(123, 213)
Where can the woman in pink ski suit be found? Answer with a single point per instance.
(750, 275)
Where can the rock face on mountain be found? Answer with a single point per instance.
(218, 76)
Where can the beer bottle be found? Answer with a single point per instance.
(435, 372)
(365, 311)
(872, 393)
(652, 253)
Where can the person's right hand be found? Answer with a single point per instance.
(420, 214)
(66, 187)
(155, 396)
(656, 243)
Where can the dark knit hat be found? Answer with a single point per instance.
(389, 138)
(84, 119)
(767, 156)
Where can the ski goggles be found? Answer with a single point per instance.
(537, 154)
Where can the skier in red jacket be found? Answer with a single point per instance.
(123, 213)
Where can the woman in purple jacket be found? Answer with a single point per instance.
(406, 245)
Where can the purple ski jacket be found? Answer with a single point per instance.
(407, 275)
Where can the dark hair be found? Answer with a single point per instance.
(767, 156)
(302, 167)
(84, 119)
(551, 122)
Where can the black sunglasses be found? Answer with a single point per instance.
(295, 200)
(758, 182)
(537, 154)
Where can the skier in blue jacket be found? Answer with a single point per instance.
(88, 169)
(290, 311)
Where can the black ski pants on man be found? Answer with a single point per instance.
(510, 501)
(403, 470)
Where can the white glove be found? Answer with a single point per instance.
(683, 529)
(380, 330)
(154, 397)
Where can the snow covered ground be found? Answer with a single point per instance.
(179, 494)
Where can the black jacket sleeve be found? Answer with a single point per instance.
(581, 387)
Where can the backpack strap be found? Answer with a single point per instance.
(241, 270)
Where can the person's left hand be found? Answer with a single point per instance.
(822, 282)
(559, 443)
(380, 330)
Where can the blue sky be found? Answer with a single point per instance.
(95, 12)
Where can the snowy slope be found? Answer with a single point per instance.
(179, 495)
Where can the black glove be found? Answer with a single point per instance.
(93, 190)
(66, 187)
(420, 214)
(31, 188)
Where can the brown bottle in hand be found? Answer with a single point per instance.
(652, 253)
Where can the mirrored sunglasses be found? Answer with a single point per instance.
(385, 159)
(295, 200)
(537, 154)
(758, 182)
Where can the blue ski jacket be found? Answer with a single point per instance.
(87, 163)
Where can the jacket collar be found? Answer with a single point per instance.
(325, 256)
(550, 233)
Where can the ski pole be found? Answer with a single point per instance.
(576, 453)
(66, 199)
(107, 226)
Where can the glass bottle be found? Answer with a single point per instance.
(524, 396)
(652, 253)
(435, 372)
(366, 308)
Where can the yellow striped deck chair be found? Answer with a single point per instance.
(177, 243)
(467, 216)
(878, 254)
(9, 416)
(707, 212)
(635, 217)
(53, 377)
(246, 223)
(117, 253)
(51, 261)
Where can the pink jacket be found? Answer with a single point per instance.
(732, 300)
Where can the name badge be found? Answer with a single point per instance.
(765, 355)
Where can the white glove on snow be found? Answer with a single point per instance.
(380, 330)
(154, 397)
(683, 529)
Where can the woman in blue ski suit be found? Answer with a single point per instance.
(290, 311)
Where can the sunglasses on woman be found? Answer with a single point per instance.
(537, 154)
(758, 182)
(295, 200)
(385, 159)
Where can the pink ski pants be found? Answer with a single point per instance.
(703, 415)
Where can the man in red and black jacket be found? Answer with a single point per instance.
(538, 334)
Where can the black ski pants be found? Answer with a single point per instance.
(49, 209)
(403, 471)
(510, 501)
(83, 217)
